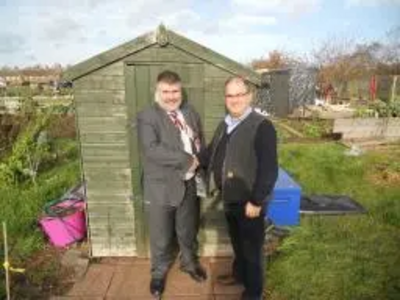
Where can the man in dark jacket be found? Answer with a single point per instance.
(242, 161)
(170, 135)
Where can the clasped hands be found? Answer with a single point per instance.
(251, 210)
(194, 165)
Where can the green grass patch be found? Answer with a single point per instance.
(340, 257)
(22, 206)
(313, 128)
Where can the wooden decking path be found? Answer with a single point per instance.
(128, 279)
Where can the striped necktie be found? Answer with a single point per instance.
(174, 117)
(183, 128)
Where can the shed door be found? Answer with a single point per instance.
(140, 86)
(280, 92)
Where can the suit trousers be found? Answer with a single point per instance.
(247, 238)
(170, 222)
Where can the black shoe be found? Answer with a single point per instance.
(197, 273)
(228, 279)
(157, 287)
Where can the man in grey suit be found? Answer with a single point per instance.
(170, 136)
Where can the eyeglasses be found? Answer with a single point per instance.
(240, 95)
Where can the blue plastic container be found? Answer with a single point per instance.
(284, 208)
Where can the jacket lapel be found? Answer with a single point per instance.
(168, 126)
(189, 119)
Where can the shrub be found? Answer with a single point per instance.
(29, 151)
(384, 110)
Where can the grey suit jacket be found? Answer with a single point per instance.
(163, 158)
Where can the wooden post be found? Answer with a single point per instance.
(394, 83)
(6, 263)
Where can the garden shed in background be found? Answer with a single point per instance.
(109, 89)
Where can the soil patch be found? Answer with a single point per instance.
(44, 276)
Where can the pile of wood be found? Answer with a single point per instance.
(325, 111)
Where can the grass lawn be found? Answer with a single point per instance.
(341, 257)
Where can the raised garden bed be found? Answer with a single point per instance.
(368, 128)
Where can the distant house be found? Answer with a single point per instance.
(3, 82)
(262, 70)
(12, 77)
(31, 77)
(40, 77)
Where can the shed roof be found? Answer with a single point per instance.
(163, 37)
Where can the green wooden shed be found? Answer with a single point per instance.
(109, 89)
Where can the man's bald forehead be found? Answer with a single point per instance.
(237, 80)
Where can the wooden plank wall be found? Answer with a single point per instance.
(167, 54)
(213, 237)
(214, 105)
(102, 122)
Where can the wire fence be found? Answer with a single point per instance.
(282, 91)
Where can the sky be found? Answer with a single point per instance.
(70, 31)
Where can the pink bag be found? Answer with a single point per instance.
(66, 223)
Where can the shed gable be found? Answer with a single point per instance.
(162, 37)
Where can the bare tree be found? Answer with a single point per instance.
(343, 60)
(276, 60)
(389, 54)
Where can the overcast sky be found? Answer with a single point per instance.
(69, 31)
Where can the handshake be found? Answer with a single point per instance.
(194, 165)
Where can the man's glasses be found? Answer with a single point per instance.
(240, 95)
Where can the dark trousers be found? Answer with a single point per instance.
(166, 223)
(247, 238)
